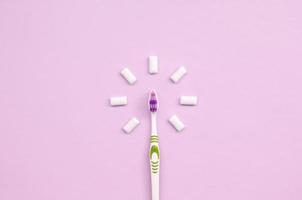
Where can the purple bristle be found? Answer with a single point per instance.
(153, 102)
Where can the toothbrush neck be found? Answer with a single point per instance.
(153, 124)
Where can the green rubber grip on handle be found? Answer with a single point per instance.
(154, 154)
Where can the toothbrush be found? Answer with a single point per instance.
(154, 148)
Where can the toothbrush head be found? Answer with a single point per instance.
(153, 102)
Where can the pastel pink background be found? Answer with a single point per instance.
(60, 62)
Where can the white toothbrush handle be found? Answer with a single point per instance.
(154, 166)
(155, 186)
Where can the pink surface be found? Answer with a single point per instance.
(59, 64)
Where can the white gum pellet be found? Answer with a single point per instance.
(118, 101)
(178, 74)
(175, 121)
(188, 100)
(153, 64)
(131, 125)
(128, 75)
